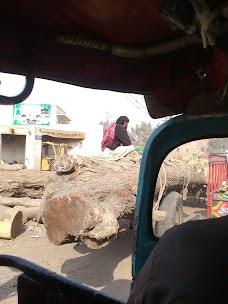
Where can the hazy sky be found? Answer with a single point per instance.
(82, 105)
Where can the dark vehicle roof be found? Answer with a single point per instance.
(149, 47)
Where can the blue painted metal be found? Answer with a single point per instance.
(168, 136)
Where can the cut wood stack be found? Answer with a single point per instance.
(14, 212)
(23, 183)
(20, 193)
(87, 204)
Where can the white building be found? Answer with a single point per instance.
(25, 128)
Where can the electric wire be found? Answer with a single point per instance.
(135, 104)
(137, 101)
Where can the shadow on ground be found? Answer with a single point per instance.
(119, 289)
(9, 288)
(194, 210)
(195, 202)
(96, 268)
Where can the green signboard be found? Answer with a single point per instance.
(32, 114)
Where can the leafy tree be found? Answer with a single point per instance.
(218, 144)
(106, 123)
(140, 133)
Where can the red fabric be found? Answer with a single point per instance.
(108, 137)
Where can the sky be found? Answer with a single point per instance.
(82, 105)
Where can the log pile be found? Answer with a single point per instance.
(14, 167)
(87, 204)
(22, 183)
(14, 212)
(178, 175)
(20, 197)
(84, 205)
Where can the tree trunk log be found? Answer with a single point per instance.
(23, 183)
(10, 222)
(87, 204)
(15, 167)
(29, 213)
(19, 201)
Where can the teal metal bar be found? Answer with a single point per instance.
(163, 140)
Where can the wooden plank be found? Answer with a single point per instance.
(61, 133)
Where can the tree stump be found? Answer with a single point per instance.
(10, 222)
(68, 216)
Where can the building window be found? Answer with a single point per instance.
(187, 150)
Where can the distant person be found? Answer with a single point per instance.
(37, 121)
(23, 118)
(116, 142)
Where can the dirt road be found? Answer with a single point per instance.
(107, 269)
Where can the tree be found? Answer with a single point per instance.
(218, 144)
(202, 149)
(106, 123)
(140, 133)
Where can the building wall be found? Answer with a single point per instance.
(91, 145)
(30, 151)
(13, 148)
(62, 120)
(37, 149)
(53, 116)
(22, 150)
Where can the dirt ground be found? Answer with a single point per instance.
(107, 269)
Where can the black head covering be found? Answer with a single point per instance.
(122, 119)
